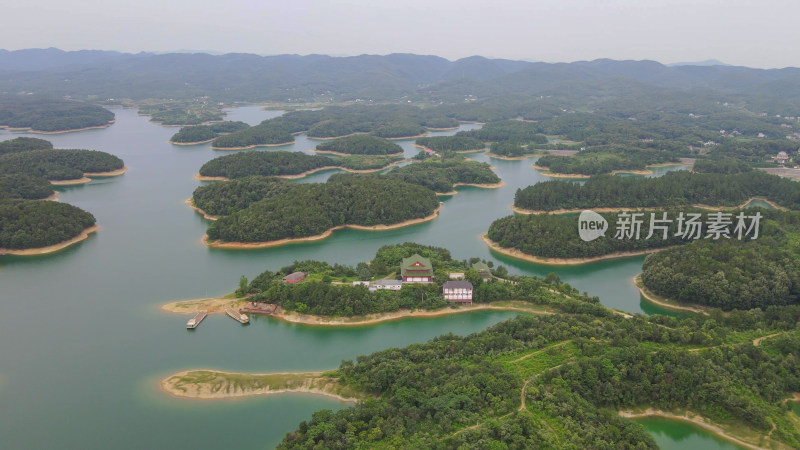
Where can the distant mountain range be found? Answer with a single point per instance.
(245, 77)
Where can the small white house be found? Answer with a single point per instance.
(457, 291)
(391, 285)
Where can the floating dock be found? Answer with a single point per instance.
(260, 308)
(195, 321)
(237, 316)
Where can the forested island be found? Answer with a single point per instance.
(28, 169)
(61, 165)
(24, 144)
(360, 144)
(450, 143)
(50, 115)
(443, 174)
(199, 134)
(181, 112)
(328, 290)
(554, 239)
(312, 211)
(288, 164)
(674, 188)
(29, 224)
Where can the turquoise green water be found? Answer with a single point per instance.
(83, 343)
(673, 434)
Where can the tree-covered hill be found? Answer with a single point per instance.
(311, 209)
(255, 162)
(26, 187)
(32, 224)
(674, 188)
(558, 381)
(361, 144)
(203, 133)
(450, 143)
(59, 164)
(24, 144)
(441, 174)
(50, 114)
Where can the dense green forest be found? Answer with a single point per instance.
(721, 165)
(385, 121)
(24, 144)
(605, 159)
(512, 149)
(256, 162)
(59, 164)
(32, 224)
(317, 295)
(674, 188)
(177, 112)
(361, 144)
(450, 143)
(262, 134)
(311, 209)
(244, 164)
(203, 133)
(50, 114)
(508, 130)
(556, 235)
(23, 186)
(222, 199)
(441, 174)
(558, 381)
(731, 273)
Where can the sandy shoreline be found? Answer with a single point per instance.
(477, 150)
(217, 305)
(199, 177)
(191, 143)
(253, 245)
(514, 253)
(31, 130)
(85, 178)
(212, 305)
(207, 384)
(371, 319)
(546, 172)
(514, 158)
(331, 152)
(658, 300)
(52, 198)
(402, 138)
(190, 201)
(252, 146)
(110, 173)
(688, 416)
(51, 248)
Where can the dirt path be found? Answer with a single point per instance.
(521, 358)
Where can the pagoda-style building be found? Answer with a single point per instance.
(416, 269)
(483, 270)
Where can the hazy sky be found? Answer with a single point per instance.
(742, 32)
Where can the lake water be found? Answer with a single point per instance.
(671, 434)
(83, 342)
